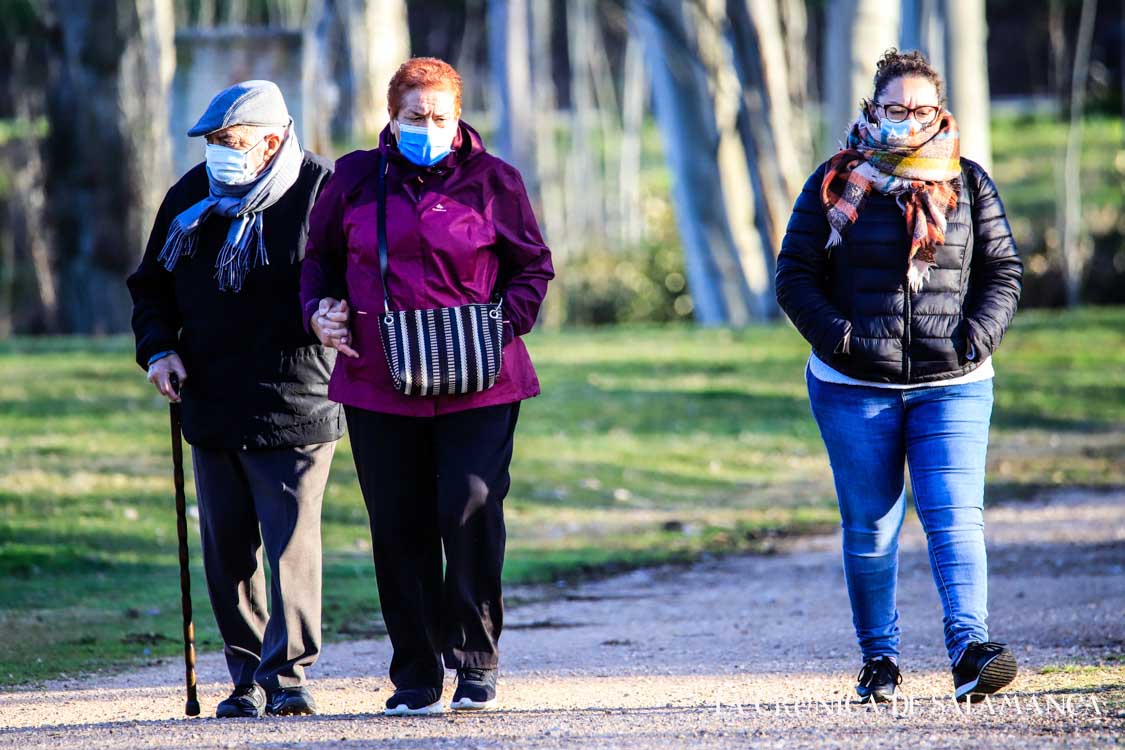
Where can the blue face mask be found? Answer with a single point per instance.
(425, 146)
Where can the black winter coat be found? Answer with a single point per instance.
(255, 377)
(853, 305)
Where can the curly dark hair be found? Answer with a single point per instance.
(894, 64)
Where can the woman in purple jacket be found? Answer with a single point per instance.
(433, 469)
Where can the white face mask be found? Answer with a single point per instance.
(229, 165)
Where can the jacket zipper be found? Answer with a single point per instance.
(906, 327)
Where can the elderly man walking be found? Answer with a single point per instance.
(215, 302)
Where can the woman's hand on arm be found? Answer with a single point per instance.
(330, 325)
(324, 264)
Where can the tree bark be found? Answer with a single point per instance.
(1074, 251)
(108, 160)
(767, 123)
(795, 42)
(1059, 68)
(28, 286)
(857, 32)
(696, 102)
(377, 42)
(582, 174)
(966, 56)
(634, 88)
(923, 30)
(509, 61)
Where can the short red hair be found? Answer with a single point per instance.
(423, 73)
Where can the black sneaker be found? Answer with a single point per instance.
(414, 702)
(983, 668)
(476, 689)
(877, 680)
(246, 701)
(291, 701)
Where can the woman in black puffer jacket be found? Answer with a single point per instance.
(899, 268)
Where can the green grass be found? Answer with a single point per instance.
(1027, 165)
(648, 445)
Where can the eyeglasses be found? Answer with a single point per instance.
(896, 112)
(233, 142)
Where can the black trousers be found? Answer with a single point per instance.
(270, 498)
(432, 484)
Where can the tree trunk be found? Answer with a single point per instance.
(923, 29)
(696, 102)
(509, 61)
(28, 286)
(795, 35)
(857, 32)
(966, 56)
(770, 131)
(108, 160)
(377, 42)
(582, 176)
(550, 199)
(634, 88)
(1074, 251)
(1059, 68)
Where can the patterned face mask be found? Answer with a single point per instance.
(899, 133)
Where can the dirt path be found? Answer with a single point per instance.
(722, 654)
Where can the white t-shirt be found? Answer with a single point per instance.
(824, 373)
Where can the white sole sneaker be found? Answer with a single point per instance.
(403, 710)
(466, 704)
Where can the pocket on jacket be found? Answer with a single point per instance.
(961, 342)
(307, 364)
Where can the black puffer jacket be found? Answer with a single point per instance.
(852, 303)
(255, 377)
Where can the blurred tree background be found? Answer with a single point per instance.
(663, 141)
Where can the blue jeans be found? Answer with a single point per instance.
(942, 432)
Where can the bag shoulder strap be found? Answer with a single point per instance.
(382, 229)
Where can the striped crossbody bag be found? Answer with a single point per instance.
(445, 350)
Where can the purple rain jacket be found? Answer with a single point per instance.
(456, 232)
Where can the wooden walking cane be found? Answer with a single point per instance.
(191, 708)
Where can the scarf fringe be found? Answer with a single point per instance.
(234, 258)
(918, 274)
(180, 244)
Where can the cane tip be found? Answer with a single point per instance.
(192, 708)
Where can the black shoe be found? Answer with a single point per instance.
(877, 680)
(291, 701)
(246, 701)
(476, 689)
(414, 702)
(983, 668)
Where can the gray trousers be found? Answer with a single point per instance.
(270, 498)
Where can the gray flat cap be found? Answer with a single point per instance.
(246, 103)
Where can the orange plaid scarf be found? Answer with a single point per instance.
(923, 173)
